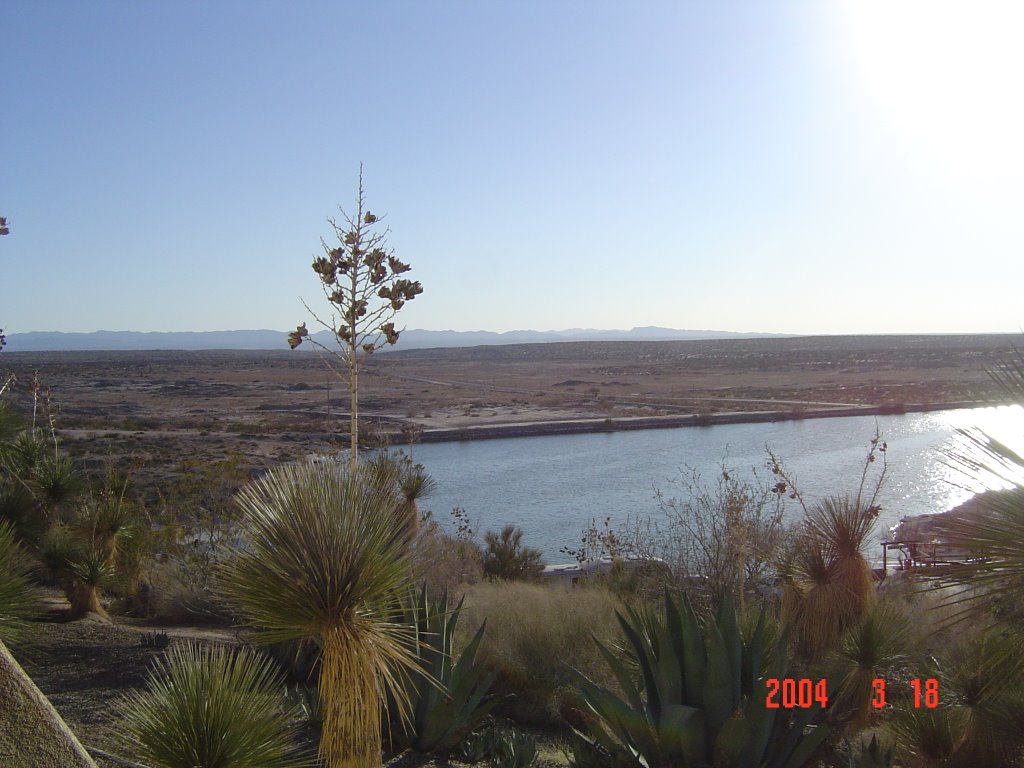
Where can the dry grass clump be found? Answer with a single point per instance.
(533, 632)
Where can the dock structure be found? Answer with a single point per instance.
(912, 555)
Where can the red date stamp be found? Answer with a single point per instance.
(804, 693)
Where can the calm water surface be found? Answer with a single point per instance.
(553, 486)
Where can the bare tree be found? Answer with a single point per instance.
(361, 279)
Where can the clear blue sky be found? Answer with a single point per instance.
(803, 167)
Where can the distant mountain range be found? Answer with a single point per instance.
(54, 341)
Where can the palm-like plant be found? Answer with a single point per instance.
(322, 558)
(880, 642)
(207, 707)
(827, 582)
(828, 585)
(978, 721)
(994, 573)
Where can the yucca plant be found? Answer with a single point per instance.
(928, 736)
(208, 707)
(879, 643)
(17, 596)
(827, 582)
(80, 568)
(322, 558)
(701, 699)
(978, 720)
(985, 585)
(36, 482)
(446, 695)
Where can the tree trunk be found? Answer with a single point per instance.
(353, 392)
(84, 598)
(350, 703)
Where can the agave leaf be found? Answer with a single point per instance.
(751, 666)
(731, 741)
(733, 640)
(694, 655)
(622, 676)
(719, 702)
(669, 669)
(793, 746)
(806, 746)
(645, 661)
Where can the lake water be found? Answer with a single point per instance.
(553, 486)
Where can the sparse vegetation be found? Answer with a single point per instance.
(312, 564)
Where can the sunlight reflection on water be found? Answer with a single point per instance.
(553, 486)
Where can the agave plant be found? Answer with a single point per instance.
(872, 755)
(701, 700)
(206, 707)
(322, 559)
(446, 696)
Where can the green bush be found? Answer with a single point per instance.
(207, 707)
(505, 556)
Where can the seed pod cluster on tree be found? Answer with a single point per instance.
(361, 280)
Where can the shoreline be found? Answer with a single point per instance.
(622, 424)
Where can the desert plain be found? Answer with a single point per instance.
(151, 410)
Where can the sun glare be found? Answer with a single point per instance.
(946, 77)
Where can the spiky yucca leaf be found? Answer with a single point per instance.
(17, 596)
(324, 558)
(994, 570)
(206, 707)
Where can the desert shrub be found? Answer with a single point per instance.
(101, 546)
(978, 720)
(178, 593)
(195, 521)
(827, 584)
(533, 631)
(506, 557)
(725, 532)
(446, 561)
